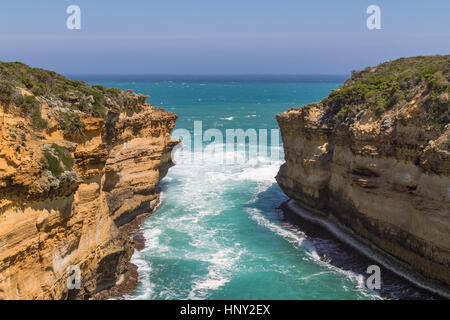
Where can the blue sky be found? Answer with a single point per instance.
(219, 37)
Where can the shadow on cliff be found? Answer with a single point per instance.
(333, 251)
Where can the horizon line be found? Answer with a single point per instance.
(205, 74)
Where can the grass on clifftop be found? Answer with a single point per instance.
(67, 97)
(50, 84)
(393, 84)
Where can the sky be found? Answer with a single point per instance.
(219, 37)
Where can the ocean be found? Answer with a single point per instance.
(219, 232)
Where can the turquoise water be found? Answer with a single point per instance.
(218, 233)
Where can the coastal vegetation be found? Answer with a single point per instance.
(392, 85)
(57, 159)
(28, 88)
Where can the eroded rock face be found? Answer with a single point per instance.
(386, 177)
(50, 224)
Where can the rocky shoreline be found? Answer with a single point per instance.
(128, 280)
(426, 288)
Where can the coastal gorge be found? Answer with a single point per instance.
(81, 165)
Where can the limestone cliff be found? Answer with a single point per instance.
(374, 155)
(77, 163)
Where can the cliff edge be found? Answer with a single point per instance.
(77, 164)
(374, 156)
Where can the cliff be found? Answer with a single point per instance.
(77, 164)
(374, 157)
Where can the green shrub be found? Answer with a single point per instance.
(71, 123)
(42, 76)
(57, 159)
(98, 107)
(30, 100)
(64, 155)
(113, 91)
(37, 121)
(39, 89)
(98, 110)
(27, 82)
(6, 92)
(99, 87)
(62, 95)
(27, 104)
(53, 164)
(343, 112)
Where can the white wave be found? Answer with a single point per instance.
(297, 238)
(313, 275)
(219, 165)
(198, 197)
(359, 244)
(152, 240)
(258, 173)
(219, 272)
(144, 270)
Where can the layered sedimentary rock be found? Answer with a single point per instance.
(77, 163)
(374, 155)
